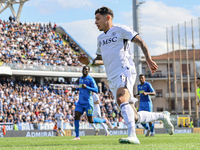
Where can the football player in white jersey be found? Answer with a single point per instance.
(59, 118)
(97, 114)
(113, 50)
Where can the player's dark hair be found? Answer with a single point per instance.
(198, 78)
(141, 75)
(87, 66)
(104, 11)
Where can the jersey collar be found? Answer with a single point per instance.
(144, 83)
(108, 30)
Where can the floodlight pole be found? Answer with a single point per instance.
(137, 54)
(20, 10)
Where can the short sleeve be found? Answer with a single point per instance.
(127, 33)
(93, 83)
(98, 52)
(151, 89)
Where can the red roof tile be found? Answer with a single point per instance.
(177, 55)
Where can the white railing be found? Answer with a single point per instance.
(19, 66)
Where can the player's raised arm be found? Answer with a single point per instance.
(152, 65)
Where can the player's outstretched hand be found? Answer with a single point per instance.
(83, 59)
(137, 96)
(144, 93)
(152, 65)
(198, 104)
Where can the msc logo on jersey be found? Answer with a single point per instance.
(108, 41)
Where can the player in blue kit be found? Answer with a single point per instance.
(87, 85)
(145, 90)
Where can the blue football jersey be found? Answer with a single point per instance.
(146, 87)
(85, 95)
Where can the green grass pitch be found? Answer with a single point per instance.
(159, 142)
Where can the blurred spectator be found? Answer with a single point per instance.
(54, 26)
(191, 124)
(10, 18)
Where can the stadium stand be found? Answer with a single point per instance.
(26, 46)
(35, 44)
(25, 101)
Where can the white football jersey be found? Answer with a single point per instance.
(58, 116)
(97, 111)
(114, 47)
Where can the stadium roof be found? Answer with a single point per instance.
(4, 4)
(12, 1)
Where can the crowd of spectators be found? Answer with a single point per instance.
(37, 47)
(35, 44)
(27, 101)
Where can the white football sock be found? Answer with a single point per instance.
(93, 125)
(63, 131)
(131, 131)
(104, 127)
(60, 133)
(145, 116)
(128, 115)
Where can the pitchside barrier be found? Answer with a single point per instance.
(86, 132)
(66, 126)
(50, 126)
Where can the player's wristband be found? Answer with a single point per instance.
(90, 63)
